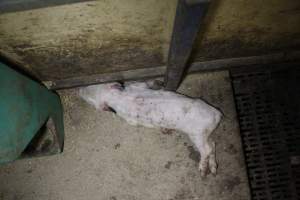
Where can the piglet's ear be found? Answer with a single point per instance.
(118, 86)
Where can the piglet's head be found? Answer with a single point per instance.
(97, 95)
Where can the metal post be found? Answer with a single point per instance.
(189, 15)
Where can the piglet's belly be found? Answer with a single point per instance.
(172, 115)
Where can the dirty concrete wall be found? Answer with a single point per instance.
(88, 38)
(236, 28)
(112, 35)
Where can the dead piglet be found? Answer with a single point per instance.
(140, 105)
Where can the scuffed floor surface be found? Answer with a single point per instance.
(107, 159)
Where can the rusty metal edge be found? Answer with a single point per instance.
(7, 6)
(146, 73)
(18, 65)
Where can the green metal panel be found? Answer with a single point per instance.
(25, 106)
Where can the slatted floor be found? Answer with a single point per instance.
(268, 105)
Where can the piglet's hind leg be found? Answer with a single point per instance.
(207, 151)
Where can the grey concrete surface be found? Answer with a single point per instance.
(107, 159)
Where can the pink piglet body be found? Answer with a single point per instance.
(140, 105)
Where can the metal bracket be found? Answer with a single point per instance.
(45, 142)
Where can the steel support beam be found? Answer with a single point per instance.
(189, 15)
(159, 71)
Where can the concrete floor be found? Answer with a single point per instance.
(105, 158)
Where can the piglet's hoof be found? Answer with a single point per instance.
(208, 164)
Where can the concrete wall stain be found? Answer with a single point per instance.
(107, 36)
(77, 60)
